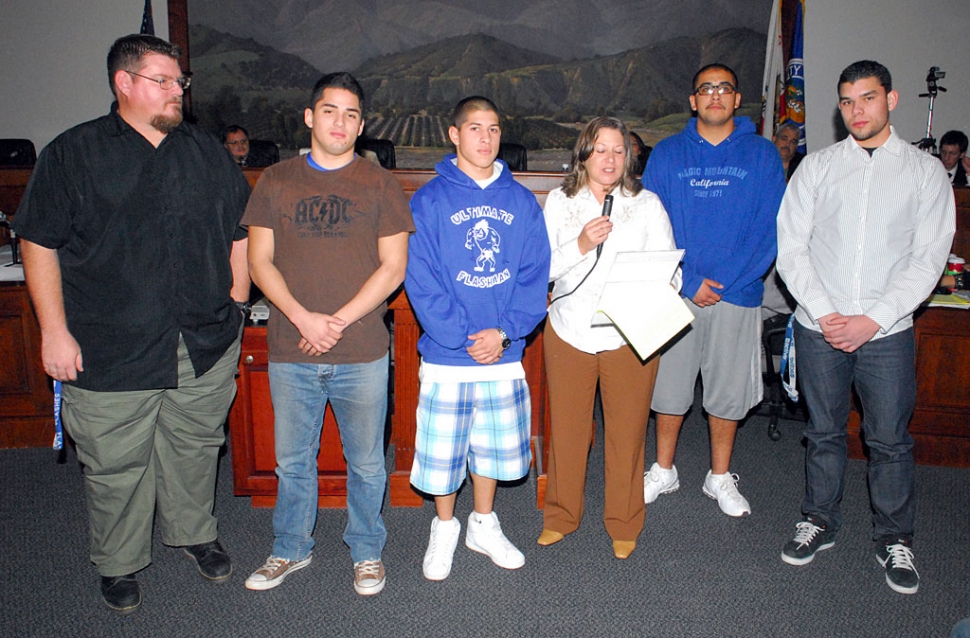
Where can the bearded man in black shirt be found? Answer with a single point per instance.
(134, 256)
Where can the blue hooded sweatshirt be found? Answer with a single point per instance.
(723, 202)
(478, 259)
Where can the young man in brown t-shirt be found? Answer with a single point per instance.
(328, 244)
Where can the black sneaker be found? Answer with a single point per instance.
(811, 535)
(121, 593)
(896, 557)
(213, 561)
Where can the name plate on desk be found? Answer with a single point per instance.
(9, 271)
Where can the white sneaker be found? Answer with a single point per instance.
(441, 548)
(724, 489)
(273, 571)
(484, 535)
(657, 481)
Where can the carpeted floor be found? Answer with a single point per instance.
(695, 572)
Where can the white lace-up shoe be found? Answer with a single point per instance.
(441, 548)
(484, 535)
(657, 481)
(724, 489)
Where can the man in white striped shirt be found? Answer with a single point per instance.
(864, 231)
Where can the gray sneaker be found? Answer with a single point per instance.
(657, 481)
(273, 571)
(896, 557)
(811, 536)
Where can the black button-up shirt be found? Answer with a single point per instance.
(143, 236)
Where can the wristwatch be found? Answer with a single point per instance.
(506, 342)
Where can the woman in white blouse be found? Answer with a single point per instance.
(578, 356)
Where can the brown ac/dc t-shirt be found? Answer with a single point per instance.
(325, 227)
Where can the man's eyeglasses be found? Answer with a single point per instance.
(237, 142)
(724, 88)
(167, 84)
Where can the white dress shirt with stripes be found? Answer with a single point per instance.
(865, 235)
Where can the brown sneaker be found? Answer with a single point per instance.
(273, 571)
(369, 577)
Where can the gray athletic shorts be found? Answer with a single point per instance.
(723, 344)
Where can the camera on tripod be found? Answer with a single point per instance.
(928, 143)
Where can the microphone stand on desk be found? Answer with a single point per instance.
(14, 240)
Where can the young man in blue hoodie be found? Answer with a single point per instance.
(721, 184)
(477, 279)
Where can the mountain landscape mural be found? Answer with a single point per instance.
(549, 65)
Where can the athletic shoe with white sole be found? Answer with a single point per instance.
(484, 535)
(657, 481)
(896, 557)
(811, 536)
(441, 548)
(724, 489)
(273, 571)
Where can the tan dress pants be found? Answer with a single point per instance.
(626, 387)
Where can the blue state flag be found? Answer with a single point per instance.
(795, 79)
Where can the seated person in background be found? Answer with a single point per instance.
(953, 154)
(236, 140)
(950, 283)
(777, 300)
(640, 153)
(786, 139)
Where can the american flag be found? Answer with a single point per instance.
(147, 24)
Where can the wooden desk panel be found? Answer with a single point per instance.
(941, 421)
(26, 392)
(961, 240)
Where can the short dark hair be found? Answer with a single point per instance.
(712, 66)
(233, 128)
(577, 177)
(866, 69)
(338, 80)
(954, 137)
(127, 51)
(470, 104)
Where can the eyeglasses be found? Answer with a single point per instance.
(237, 142)
(167, 84)
(724, 88)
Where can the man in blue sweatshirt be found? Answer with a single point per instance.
(477, 278)
(722, 185)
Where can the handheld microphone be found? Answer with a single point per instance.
(607, 210)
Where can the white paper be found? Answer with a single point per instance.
(639, 300)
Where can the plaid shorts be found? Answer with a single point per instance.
(485, 425)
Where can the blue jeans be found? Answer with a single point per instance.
(884, 374)
(358, 396)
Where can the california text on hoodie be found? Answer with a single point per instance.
(722, 201)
